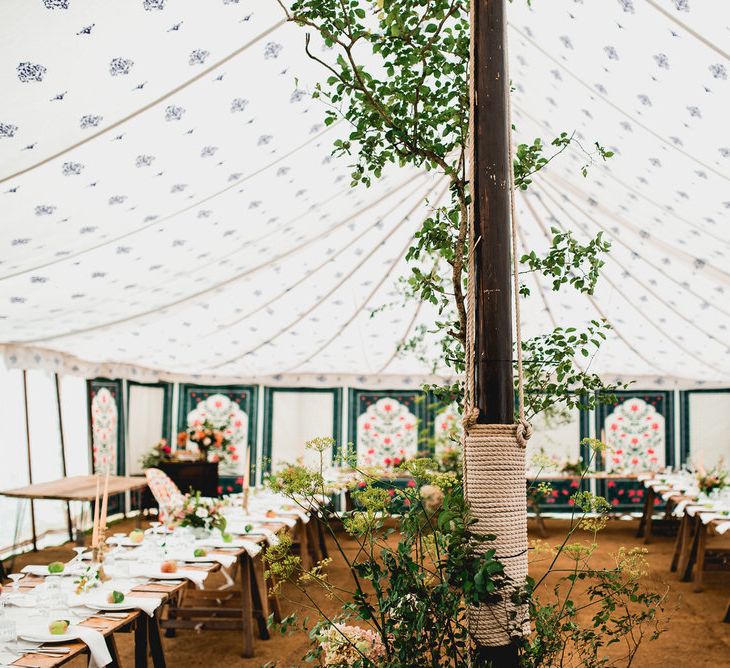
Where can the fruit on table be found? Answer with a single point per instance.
(270, 513)
(115, 597)
(199, 552)
(169, 566)
(227, 538)
(56, 567)
(248, 528)
(58, 627)
(136, 535)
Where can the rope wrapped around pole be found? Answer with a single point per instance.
(494, 486)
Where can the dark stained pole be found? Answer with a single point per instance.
(27, 451)
(494, 389)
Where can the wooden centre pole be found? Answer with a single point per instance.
(489, 155)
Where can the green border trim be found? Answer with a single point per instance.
(269, 392)
(685, 417)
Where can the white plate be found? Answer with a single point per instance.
(40, 634)
(159, 575)
(98, 601)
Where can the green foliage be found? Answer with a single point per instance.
(553, 376)
(569, 262)
(409, 586)
(398, 77)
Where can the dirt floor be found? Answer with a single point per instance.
(696, 636)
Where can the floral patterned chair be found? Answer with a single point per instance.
(165, 491)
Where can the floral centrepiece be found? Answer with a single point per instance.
(160, 452)
(199, 513)
(717, 478)
(218, 427)
(347, 645)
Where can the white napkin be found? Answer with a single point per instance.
(271, 538)
(251, 548)
(144, 603)
(225, 560)
(693, 508)
(722, 527)
(679, 508)
(97, 646)
(708, 517)
(153, 571)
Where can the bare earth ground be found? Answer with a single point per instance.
(696, 636)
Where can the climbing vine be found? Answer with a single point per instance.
(398, 77)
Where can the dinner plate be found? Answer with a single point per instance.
(208, 559)
(39, 633)
(159, 575)
(98, 601)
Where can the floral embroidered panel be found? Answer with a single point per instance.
(386, 426)
(635, 434)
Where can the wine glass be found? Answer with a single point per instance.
(79, 551)
(16, 577)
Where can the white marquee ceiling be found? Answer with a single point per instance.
(170, 207)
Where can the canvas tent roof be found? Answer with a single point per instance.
(170, 207)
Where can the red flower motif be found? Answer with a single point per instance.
(388, 407)
(634, 407)
(655, 426)
(366, 426)
(614, 427)
(409, 426)
(411, 483)
(387, 440)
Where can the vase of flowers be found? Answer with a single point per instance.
(715, 479)
(203, 515)
(160, 452)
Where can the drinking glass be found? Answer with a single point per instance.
(16, 577)
(79, 551)
(8, 638)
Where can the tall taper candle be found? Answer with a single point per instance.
(104, 503)
(95, 528)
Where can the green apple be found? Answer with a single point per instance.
(248, 528)
(136, 535)
(199, 552)
(115, 597)
(56, 567)
(227, 538)
(58, 627)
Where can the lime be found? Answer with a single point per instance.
(56, 567)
